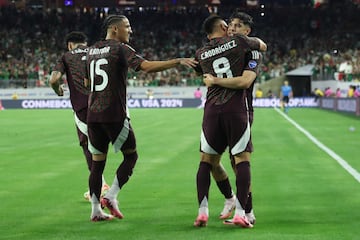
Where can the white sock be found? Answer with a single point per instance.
(95, 205)
(239, 210)
(204, 207)
(114, 190)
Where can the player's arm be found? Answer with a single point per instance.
(54, 81)
(137, 62)
(263, 46)
(197, 67)
(241, 82)
(157, 66)
(255, 43)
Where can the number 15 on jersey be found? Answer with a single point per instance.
(95, 70)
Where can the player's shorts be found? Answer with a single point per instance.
(250, 147)
(81, 126)
(120, 134)
(286, 99)
(221, 130)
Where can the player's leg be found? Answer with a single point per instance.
(222, 181)
(240, 146)
(98, 146)
(125, 142)
(286, 102)
(242, 164)
(249, 212)
(212, 144)
(88, 157)
(82, 131)
(122, 176)
(203, 185)
(95, 184)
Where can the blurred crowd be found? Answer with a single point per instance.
(31, 40)
(353, 91)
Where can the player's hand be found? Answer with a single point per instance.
(86, 82)
(208, 79)
(189, 62)
(60, 91)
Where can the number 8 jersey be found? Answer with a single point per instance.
(225, 57)
(107, 66)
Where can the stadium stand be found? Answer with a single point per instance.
(32, 38)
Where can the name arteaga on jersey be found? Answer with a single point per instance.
(96, 51)
(220, 49)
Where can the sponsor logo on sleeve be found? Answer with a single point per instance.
(252, 64)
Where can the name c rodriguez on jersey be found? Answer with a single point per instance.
(220, 49)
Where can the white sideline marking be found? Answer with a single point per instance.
(332, 154)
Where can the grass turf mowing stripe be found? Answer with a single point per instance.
(332, 154)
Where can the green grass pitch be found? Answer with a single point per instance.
(299, 191)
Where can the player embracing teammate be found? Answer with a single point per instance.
(228, 73)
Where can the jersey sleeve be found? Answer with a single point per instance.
(134, 60)
(253, 61)
(198, 68)
(252, 42)
(60, 66)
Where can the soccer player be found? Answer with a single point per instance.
(225, 121)
(285, 94)
(240, 23)
(72, 63)
(108, 116)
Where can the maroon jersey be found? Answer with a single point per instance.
(107, 66)
(225, 57)
(253, 59)
(73, 64)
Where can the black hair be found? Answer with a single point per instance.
(110, 20)
(244, 17)
(210, 23)
(75, 37)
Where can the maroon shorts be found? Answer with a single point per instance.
(229, 129)
(120, 134)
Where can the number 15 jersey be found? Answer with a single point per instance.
(107, 66)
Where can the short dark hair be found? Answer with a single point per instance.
(110, 20)
(244, 17)
(75, 37)
(210, 23)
